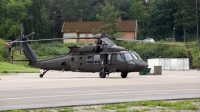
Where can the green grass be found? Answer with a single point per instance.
(89, 108)
(68, 110)
(13, 68)
(139, 106)
(182, 105)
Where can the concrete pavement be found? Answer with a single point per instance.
(23, 91)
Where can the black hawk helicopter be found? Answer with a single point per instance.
(105, 57)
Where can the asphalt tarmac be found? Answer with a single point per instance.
(56, 89)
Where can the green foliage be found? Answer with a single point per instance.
(109, 18)
(150, 50)
(47, 50)
(161, 17)
(12, 12)
(38, 19)
(184, 18)
(3, 51)
(136, 10)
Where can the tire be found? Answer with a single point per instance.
(102, 74)
(124, 74)
(41, 75)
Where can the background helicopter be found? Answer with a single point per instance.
(105, 57)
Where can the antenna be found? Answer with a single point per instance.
(81, 13)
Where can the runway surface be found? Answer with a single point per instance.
(25, 91)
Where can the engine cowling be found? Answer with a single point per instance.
(86, 49)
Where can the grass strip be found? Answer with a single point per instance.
(13, 68)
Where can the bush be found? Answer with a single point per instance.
(4, 53)
(150, 50)
(52, 49)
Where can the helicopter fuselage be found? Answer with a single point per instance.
(127, 61)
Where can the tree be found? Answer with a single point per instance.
(161, 17)
(109, 19)
(185, 16)
(136, 11)
(12, 13)
(38, 19)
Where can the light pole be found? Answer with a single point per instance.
(174, 34)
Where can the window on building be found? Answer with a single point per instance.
(70, 36)
(90, 35)
(89, 59)
(82, 35)
(99, 34)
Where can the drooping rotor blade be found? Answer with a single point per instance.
(141, 41)
(23, 37)
(51, 39)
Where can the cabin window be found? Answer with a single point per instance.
(109, 58)
(96, 59)
(89, 59)
(120, 57)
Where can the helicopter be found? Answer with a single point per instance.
(105, 57)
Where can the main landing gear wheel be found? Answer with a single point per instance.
(102, 74)
(124, 74)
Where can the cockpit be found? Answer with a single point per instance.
(133, 61)
(128, 56)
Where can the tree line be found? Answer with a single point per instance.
(158, 19)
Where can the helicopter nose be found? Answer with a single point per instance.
(143, 65)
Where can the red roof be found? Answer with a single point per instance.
(86, 27)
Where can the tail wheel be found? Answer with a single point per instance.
(124, 74)
(41, 75)
(102, 74)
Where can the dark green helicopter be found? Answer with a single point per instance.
(105, 57)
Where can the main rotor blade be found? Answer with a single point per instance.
(51, 39)
(19, 40)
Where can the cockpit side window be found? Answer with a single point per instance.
(128, 57)
(120, 57)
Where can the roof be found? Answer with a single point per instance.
(85, 27)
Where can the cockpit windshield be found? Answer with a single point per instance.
(108, 42)
(128, 57)
(136, 56)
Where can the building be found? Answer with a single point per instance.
(82, 29)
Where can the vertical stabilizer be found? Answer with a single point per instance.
(29, 53)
